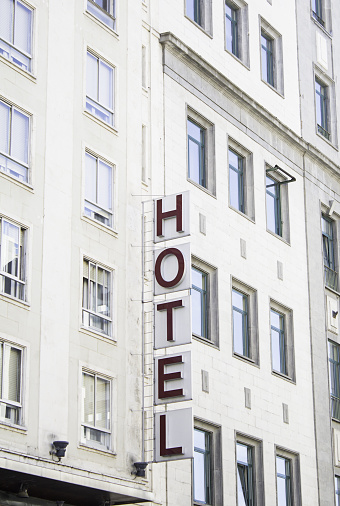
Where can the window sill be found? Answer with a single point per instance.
(273, 88)
(83, 446)
(278, 237)
(101, 123)
(199, 26)
(16, 302)
(24, 73)
(247, 360)
(332, 290)
(26, 186)
(319, 25)
(237, 59)
(99, 225)
(20, 429)
(98, 335)
(334, 146)
(201, 188)
(203, 340)
(145, 92)
(284, 377)
(101, 24)
(242, 214)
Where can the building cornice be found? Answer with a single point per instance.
(192, 59)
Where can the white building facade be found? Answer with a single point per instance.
(105, 107)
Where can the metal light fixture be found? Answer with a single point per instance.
(59, 448)
(140, 468)
(23, 490)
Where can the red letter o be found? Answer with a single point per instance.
(180, 259)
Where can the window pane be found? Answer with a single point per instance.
(199, 439)
(194, 161)
(103, 404)
(14, 371)
(281, 492)
(238, 300)
(92, 77)
(238, 332)
(197, 278)
(234, 189)
(276, 351)
(105, 185)
(196, 312)
(10, 248)
(90, 177)
(6, 19)
(271, 217)
(88, 393)
(194, 131)
(19, 144)
(105, 85)
(275, 319)
(4, 127)
(199, 478)
(23, 23)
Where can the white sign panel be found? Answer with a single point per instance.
(174, 435)
(172, 217)
(172, 322)
(173, 378)
(172, 269)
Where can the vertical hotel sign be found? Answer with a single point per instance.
(173, 384)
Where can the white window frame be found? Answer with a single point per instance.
(271, 34)
(6, 403)
(102, 15)
(92, 105)
(9, 160)
(252, 321)
(108, 319)
(12, 50)
(248, 179)
(87, 427)
(100, 211)
(209, 150)
(287, 315)
(212, 328)
(20, 280)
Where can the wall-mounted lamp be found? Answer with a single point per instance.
(59, 448)
(140, 468)
(23, 490)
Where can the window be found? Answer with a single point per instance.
(317, 11)
(331, 276)
(14, 138)
(236, 181)
(199, 11)
(199, 302)
(200, 139)
(337, 491)
(12, 259)
(202, 466)
(231, 28)
(104, 10)
(16, 33)
(282, 345)
(207, 464)
(267, 58)
(196, 153)
(283, 481)
(277, 325)
(97, 297)
(245, 482)
(271, 57)
(240, 323)
(96, 411)
(273, 202)
(322, 116)
(98, 190)
(334, 378)
(204, 301)
(10, 383)
(244, 309)
(99, 89)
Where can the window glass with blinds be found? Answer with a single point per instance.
(10, 383)
(12, 259)
(98, 190)
(16, 33)
(97, 297)
(96, 410)
(14, 142)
